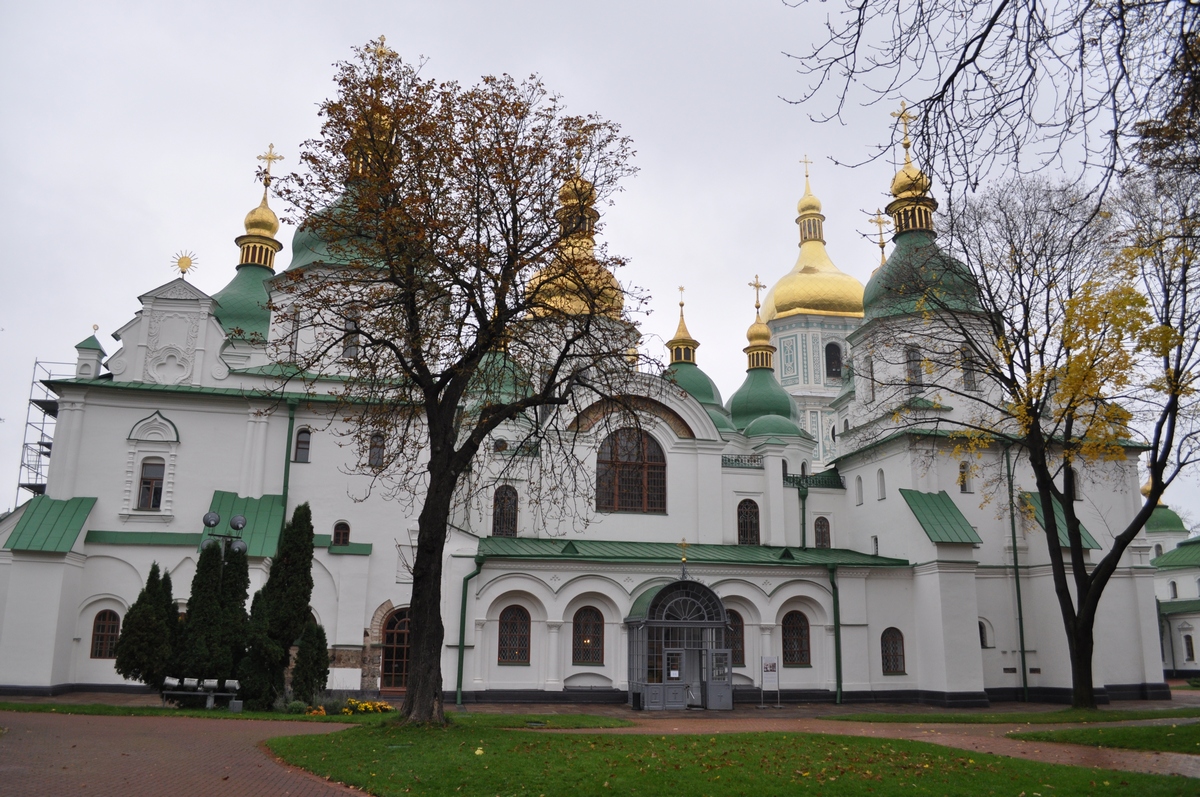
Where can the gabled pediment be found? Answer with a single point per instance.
(178, 288)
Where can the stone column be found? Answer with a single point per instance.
(554, 665)
(479, 651)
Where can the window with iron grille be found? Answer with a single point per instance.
(737, 638)
(151, 488)
(504, 511)
(106, 630)
(631, 473)
(341, 533)
(394, 665)
(303, 443)
(796, 650)
(747, 520)
(821, 527)
(914, 369)
(892, 645)
(587, 636)
(514, 636)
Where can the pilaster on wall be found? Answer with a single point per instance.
(37, 636)
(946, 649)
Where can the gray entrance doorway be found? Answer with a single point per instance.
(677, 653)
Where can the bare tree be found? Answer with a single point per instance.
(448, 291)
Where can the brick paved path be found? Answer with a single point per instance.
(47, 754)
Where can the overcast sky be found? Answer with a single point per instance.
(131, 129)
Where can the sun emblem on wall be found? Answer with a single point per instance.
(183, 262)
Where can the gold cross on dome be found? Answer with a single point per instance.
(757, 286)
(269, 157)
(904, 116)
(381, 50)
(880, 221)
(806, 163)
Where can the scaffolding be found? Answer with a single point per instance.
(40, 418)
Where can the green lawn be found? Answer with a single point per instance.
(1163, 738)
(477, 757)
(1025, 717)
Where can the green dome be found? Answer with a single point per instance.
(694, 382)
(1164, 520)
(497, 380)
(774, 426)
(720, 419)
(242, 304)
(760, 395)
(918, 277)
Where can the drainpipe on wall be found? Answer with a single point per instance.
(462, 627)
(1012, 517)
(802, 490)
(837, 632)
(287, 454)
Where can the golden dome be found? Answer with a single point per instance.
(262, 220)
(759, 334)
(814, 286)
(577, 191)
(910, 182)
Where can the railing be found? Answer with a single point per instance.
(752, 461)
(828, 480)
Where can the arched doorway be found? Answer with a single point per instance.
(393, 671)
(678, 656)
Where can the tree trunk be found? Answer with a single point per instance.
(1083, 693)
(423, 696)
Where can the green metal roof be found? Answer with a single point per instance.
(940, 517)
(98, 537)
(642, 604)
(761, 394)
(90, 343)
(619, 551)
(1186, 554)
(1164, 520)
(695, 383)
(919, 277)
(50, 524)
(1060, 521)
(242, 304)
(1179, 607)
(264, 519)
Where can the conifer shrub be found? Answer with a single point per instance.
(311, 673)
(144, 648)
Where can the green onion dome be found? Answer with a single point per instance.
(774, 426)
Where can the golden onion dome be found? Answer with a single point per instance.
(262, 220)
(814, 286)
(759, 334)
(577, 191)
(910, 182)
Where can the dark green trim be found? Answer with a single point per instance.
(287, 454)
(184, 539)
(351, 549)
(1060, 520)
(322, 540)
(837, 631)
(462, 627)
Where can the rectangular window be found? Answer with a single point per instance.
(913, 371)
(970, 370)
(1188, 649)
(150, 491)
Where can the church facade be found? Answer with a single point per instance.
(786, 537)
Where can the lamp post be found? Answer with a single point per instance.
(231, 541)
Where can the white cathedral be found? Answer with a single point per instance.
(828, 554)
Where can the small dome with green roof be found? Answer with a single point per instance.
(1164, 520)
(761, 394)
(774, 426)
(242, 304)
(684, 372)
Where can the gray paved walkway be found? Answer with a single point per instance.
(49, 754)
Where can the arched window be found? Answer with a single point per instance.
(858, 495)
(504, 511)
(914, 373)
(964, 477)
(747, 520)
(1189, 650)
(833, 361)
(983, 640)
(587, 636)
(880, 485)
(845, 425)
(804, 468)
(1158, 551)
(514, 636)
(892, 647)
(631, 473)
(736, 638)
(150, 489)
(821, 532)
(394, 666)
(375, 452)
(870, 372)
(341, 533)
(796, 650)
(970, 370)
(303, 443)
(350, 339)
(106, 630)
(1173, 589)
